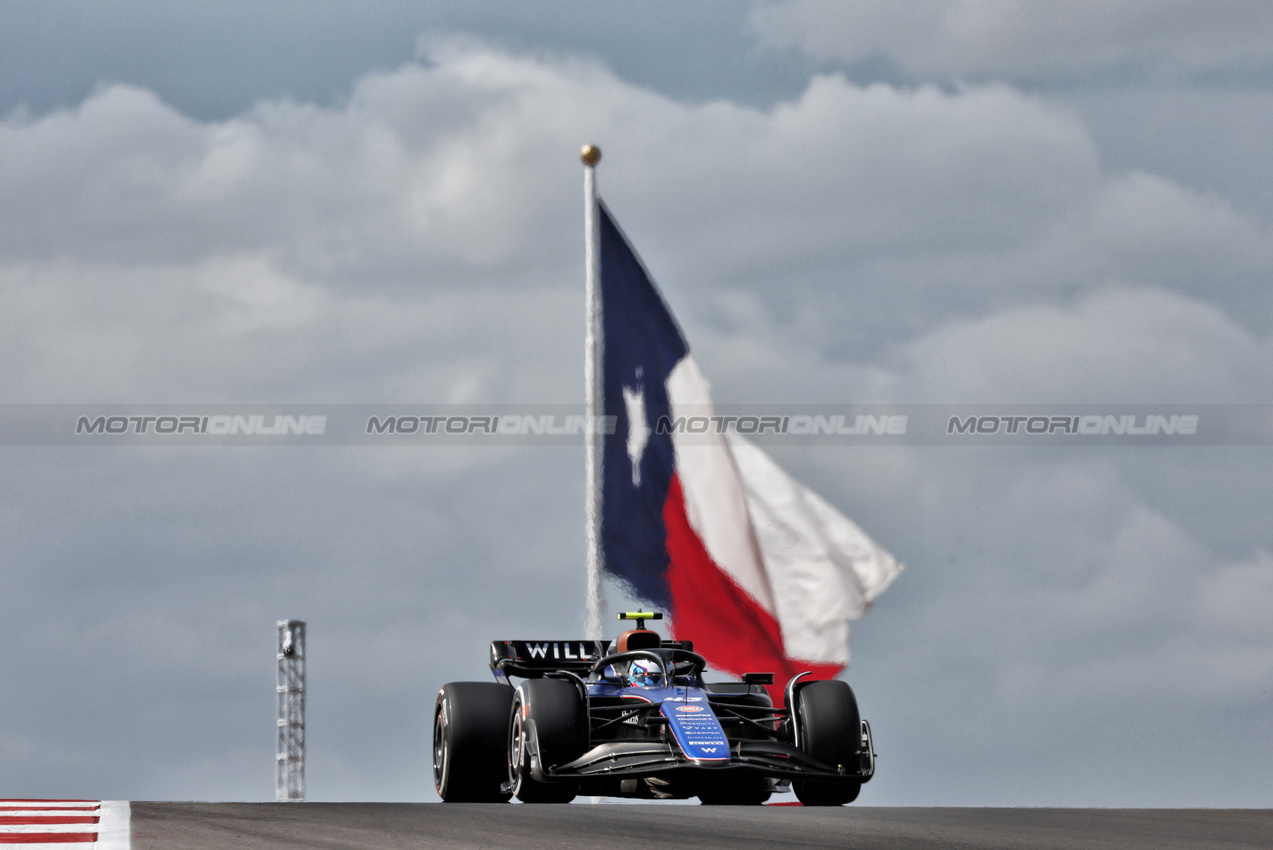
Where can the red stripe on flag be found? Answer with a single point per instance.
(726, 624)
(48, 809)
(33, 820)
(15, 800)
(47, 837)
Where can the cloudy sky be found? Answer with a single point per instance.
(943, 201)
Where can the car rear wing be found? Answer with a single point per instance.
(531, 659)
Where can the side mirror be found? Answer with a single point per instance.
(758, 678)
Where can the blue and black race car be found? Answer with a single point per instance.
(634, 718)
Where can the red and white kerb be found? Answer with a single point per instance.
(102, 825)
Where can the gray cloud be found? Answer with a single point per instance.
(975, 38)
(1113, 345)
(420, 242)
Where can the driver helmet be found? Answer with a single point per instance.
(644, 673)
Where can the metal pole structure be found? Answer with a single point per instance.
(289, 775)
(595, 627)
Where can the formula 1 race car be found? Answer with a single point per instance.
(634, 718)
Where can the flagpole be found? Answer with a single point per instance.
(596, 604)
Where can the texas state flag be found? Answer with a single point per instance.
(760, 572)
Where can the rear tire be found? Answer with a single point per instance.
(830, 732)
(549, 718)
(469, 722)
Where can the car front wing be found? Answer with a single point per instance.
(778, 759)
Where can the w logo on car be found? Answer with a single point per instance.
(689, 708)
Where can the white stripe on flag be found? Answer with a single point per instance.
(797, 556)
(715, 502)
(824, 570)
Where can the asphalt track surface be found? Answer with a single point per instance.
(379, 826)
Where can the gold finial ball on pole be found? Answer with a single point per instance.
(591, 155)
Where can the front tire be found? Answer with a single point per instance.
(469, 720)
(830, 732)
(549, 723)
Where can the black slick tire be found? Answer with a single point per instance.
(548, 723)
(470, 720)
(830, 732)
